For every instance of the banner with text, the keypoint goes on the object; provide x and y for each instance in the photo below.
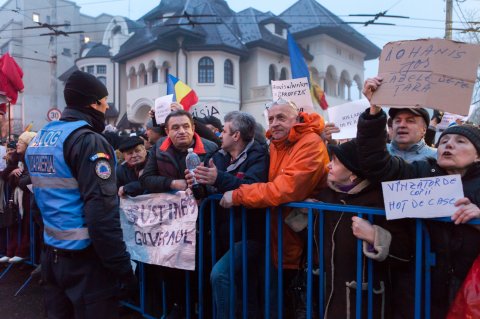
(295, 90)
(160, 229)
(345, 117)
(433, 73)
(425, 197)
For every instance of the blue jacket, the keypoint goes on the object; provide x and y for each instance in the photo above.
(417, 152)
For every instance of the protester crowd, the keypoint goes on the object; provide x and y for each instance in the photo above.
(297, 161)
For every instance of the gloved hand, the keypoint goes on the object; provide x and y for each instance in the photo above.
(128, 286)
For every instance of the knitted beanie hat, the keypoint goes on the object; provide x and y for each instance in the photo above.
(26, 137)
(469, 131)
(82, 89)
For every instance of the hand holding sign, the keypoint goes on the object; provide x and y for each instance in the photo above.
(466, 212)
(435, 72)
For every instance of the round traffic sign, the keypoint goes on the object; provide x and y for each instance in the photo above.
(54, 114)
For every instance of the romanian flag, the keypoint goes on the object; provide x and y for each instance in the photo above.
(300, 70)
(182, 93)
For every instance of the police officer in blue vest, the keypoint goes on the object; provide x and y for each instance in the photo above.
(85, 263)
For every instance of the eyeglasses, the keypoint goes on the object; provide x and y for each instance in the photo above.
(281, 101)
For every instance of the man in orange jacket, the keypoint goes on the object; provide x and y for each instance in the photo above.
(298, 168)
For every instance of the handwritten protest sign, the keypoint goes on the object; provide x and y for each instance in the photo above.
(422, 197)
(345, 117)
(295, 90)
(160, 228)
(449, 118)
(162, 107)
(433, 73)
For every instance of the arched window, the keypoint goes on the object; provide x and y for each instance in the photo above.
(283, 74)
(142, 76)
(154, 74)
(228, 72)
(132, 77)
(205, 70)
(271, 73)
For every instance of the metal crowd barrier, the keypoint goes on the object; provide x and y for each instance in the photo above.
(422, 274)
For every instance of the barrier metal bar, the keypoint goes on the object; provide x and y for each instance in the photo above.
(321, 261)
(164, 298)
(267, 262)
(244, 264)
(213, 213)
(280, 264)
(187, 297)
(232, 265)
(418, 268)
(200, 257)
(309, 262)
(358, 300)
(427, 271)
(370, 282)
(422, 243)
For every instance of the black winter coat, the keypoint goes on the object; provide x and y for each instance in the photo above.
(340, 247)
(166, 163)
(100, 195)
(127, 176)
(455, 246)
(251, 167)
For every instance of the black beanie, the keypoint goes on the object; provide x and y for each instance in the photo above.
(82, 89)
(347, 154)
(469, 131)
(129, 143)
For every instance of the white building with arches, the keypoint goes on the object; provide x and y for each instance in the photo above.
(227, 57)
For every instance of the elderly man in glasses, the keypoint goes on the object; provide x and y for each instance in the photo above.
(298, 168)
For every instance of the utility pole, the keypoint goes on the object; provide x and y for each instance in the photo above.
(448, 20)
(53, 56)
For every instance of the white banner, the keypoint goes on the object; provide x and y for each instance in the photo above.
(345, 117)
(160, 229)
(425, 197)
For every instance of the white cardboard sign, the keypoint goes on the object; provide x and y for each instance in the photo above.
(160, 229)
(295, 90)
(345, 117)
(162, 107)
(449, 118)
(425, 197)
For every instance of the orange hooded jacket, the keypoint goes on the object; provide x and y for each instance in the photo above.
(298, 168)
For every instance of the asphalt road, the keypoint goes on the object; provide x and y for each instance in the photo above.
(29, 302)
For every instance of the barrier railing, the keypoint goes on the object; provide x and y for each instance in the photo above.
(200, 307)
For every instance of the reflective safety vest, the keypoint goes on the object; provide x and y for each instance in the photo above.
(56, 190)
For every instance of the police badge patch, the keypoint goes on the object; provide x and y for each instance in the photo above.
(103, 169)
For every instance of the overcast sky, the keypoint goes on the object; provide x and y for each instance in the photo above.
(427, 17)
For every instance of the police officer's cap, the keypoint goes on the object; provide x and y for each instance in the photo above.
(82, 89)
